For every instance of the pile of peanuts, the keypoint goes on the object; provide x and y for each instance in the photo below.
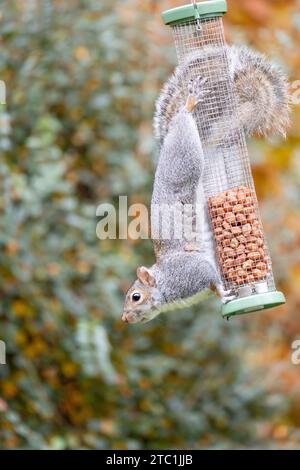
(239, 236)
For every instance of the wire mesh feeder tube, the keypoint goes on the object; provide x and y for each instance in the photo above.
(241, 249)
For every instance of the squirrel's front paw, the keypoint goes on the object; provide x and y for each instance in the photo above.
(227, 296)
(225, 300)
(196, 92)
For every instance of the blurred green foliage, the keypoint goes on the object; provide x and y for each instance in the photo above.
(82, 77)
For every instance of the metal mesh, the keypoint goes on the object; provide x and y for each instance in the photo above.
(240, 242)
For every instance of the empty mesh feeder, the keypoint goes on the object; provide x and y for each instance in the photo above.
(241, 249)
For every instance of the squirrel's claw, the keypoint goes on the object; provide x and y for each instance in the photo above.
(227, 296)
(194, 85)
(226, 299)
(196, 93)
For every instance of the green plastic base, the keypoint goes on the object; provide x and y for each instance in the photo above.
(253, 303)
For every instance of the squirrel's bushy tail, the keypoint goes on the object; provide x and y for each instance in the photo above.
(263, 94)
(262, 91)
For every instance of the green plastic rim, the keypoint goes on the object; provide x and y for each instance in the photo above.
(205, 10)
(253, 303)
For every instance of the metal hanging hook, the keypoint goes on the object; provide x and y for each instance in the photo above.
(197, 15)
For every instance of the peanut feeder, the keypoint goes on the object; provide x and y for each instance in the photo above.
(241, 249)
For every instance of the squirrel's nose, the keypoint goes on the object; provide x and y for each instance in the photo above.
(124, 318)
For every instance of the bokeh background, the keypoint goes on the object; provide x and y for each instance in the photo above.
(82, 77)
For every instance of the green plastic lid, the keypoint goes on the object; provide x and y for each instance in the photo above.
(204, 10)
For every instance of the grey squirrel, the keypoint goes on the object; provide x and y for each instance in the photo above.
(183, 271)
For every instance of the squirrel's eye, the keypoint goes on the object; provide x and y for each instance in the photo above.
(136, 296)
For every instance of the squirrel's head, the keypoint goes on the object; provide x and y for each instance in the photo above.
(143, 298)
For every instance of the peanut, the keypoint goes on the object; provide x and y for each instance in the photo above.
(230, 217)
(238, 208)
(240, 249)
(241, 259)
(241, 218)
(236, 230)
(234, 243)
(246, 229)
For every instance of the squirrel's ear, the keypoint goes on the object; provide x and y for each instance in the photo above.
(146, 277)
